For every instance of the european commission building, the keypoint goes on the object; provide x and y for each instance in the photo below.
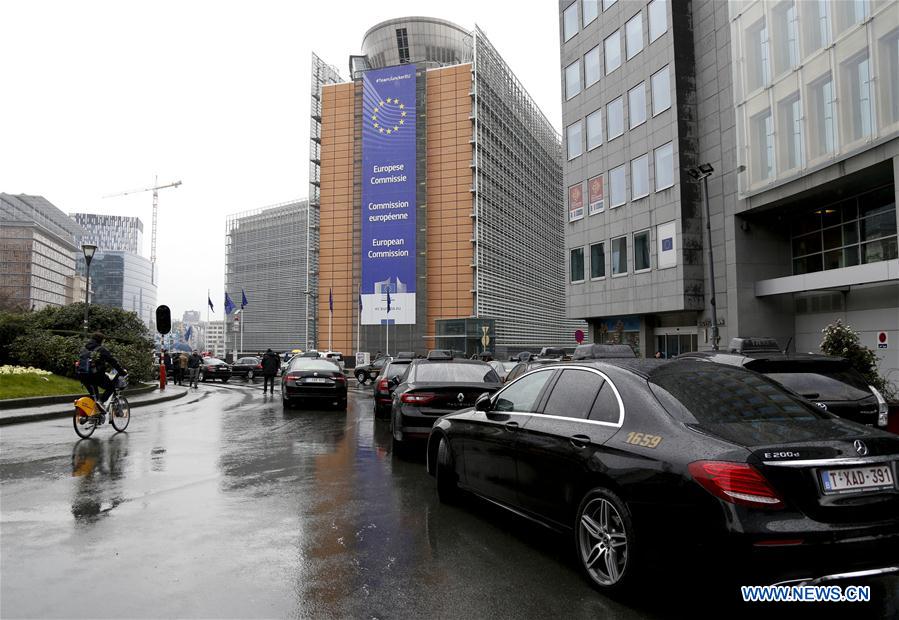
(441, 216)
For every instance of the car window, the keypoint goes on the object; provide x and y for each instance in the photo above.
(516, 372)
(522, 395)
(573, 394)
(451, 372)
(839, 385)
(606, 407)
(395, 369)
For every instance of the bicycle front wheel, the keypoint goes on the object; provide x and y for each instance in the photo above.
(85, 425)
(121, 414)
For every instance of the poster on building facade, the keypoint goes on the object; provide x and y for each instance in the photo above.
(595, 198)
(575, 202)
(388, 195)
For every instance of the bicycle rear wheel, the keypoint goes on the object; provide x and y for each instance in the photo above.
(85, 425)
(121, 413)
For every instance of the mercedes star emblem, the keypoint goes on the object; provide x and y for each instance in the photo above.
(860, 448)
(460, 397)
(822, 406)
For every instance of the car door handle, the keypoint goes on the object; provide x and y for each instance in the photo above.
(511, 426)
(579, 441)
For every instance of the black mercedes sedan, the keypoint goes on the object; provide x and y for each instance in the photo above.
(649, 460)
(313, 380)
(433, 387)
(213, 368)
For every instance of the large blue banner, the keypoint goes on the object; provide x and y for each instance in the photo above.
(388, 195)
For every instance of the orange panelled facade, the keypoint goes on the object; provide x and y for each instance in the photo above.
(450, 225)
(336, 243)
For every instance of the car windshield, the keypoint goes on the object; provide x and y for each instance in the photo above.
(824, 385)
(313, 363)
(450, 372)
(743, 406)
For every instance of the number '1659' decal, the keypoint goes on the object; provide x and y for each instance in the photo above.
(643, 440)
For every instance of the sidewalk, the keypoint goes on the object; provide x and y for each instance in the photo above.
(35, 413)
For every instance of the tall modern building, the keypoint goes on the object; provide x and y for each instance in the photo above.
(37, 254)
(788, 111)
(440, 192)
(120, 276)
(267, 261)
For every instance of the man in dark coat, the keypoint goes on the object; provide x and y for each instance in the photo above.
(193, 367)
(94, 362)
(270, 365)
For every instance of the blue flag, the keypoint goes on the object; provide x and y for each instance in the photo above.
(243, 302)
(188, 333)
(388, 301)
(330, 301)
(229, 305)
(209, 301)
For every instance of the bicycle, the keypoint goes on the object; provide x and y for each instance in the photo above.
(89, 413)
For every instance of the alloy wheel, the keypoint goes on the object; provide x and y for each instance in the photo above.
(602, 542)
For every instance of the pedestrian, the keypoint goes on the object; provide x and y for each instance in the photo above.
(94, 362)
(270, 365)
(193, 367)
(167, 361)
(378, 355)
(659, 355)
(180, 363)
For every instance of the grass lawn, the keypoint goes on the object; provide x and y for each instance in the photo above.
(20, 386)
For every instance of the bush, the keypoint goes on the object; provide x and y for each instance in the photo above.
(843, 341)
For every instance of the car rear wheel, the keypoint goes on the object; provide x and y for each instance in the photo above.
(604, 540)
(447, 487)
(202, 377)
(361, 377)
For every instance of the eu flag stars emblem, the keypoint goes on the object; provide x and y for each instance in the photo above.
(388, 116)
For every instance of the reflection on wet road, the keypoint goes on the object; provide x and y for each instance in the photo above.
(223, 504)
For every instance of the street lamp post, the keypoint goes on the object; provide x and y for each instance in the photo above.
(88, 250)
(703, 172)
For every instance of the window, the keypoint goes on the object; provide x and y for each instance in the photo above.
(636, 105)
(619, 256)
(761, 146)
(640, 177)
(597, 261)
(594, 130)
(613, 51)
(607, 3)
(573, 394)
(785, 36)
(595, 185)
(605, 407)
(574, 141)
(789, 112)
(664, 164)
(822, 121)
(849, 13)
(592, 67)
(658, 19)
(617, 187)
(757, 52)
(633, 35)
(572, 79)
(522, 395)
(816, 25)
(856, 97)
(615, 118)
(402, 44)
(641, 251)
(577, 265)
(569, 21)
(589, 10)
(889, 77)
(661, 91)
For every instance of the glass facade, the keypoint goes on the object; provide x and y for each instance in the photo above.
(814, 82)
(112, 232)
(122, 280)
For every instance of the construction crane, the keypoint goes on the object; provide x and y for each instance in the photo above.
(155, 189)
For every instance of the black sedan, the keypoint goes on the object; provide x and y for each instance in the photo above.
(645, 460)
(247, 367)
(313, 380)
(431, 388)
(213, 368)
(387, 382)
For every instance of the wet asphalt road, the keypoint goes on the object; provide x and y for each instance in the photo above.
(222, 504)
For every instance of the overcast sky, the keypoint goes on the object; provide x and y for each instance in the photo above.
(101, 96)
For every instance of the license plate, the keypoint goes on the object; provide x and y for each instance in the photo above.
(316, 380)
(857, 479)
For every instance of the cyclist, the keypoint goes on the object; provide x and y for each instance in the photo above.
(94, 362)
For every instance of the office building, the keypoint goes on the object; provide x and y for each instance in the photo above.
(114, 233)
(789, 108)
(37, 254)
(440, 188)
(213, 339)
(266, 261)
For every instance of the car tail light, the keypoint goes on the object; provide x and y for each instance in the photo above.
(779, 542)
(258, 366)
(418, 398)
(883, 410)
(209, 368)
(340, 378)
(382, 385)
(737, 483)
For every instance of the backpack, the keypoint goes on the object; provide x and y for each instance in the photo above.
(88, 362)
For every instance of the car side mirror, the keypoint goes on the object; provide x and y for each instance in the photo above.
(483, 402)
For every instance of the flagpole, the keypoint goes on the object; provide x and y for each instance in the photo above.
(359, 326)
(206, 331)
(242, 317)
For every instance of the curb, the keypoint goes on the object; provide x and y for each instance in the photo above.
(37, 401)
(36, 417)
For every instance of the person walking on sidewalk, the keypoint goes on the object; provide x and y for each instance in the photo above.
(180, 363)
(270, 365)
(193, 367)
